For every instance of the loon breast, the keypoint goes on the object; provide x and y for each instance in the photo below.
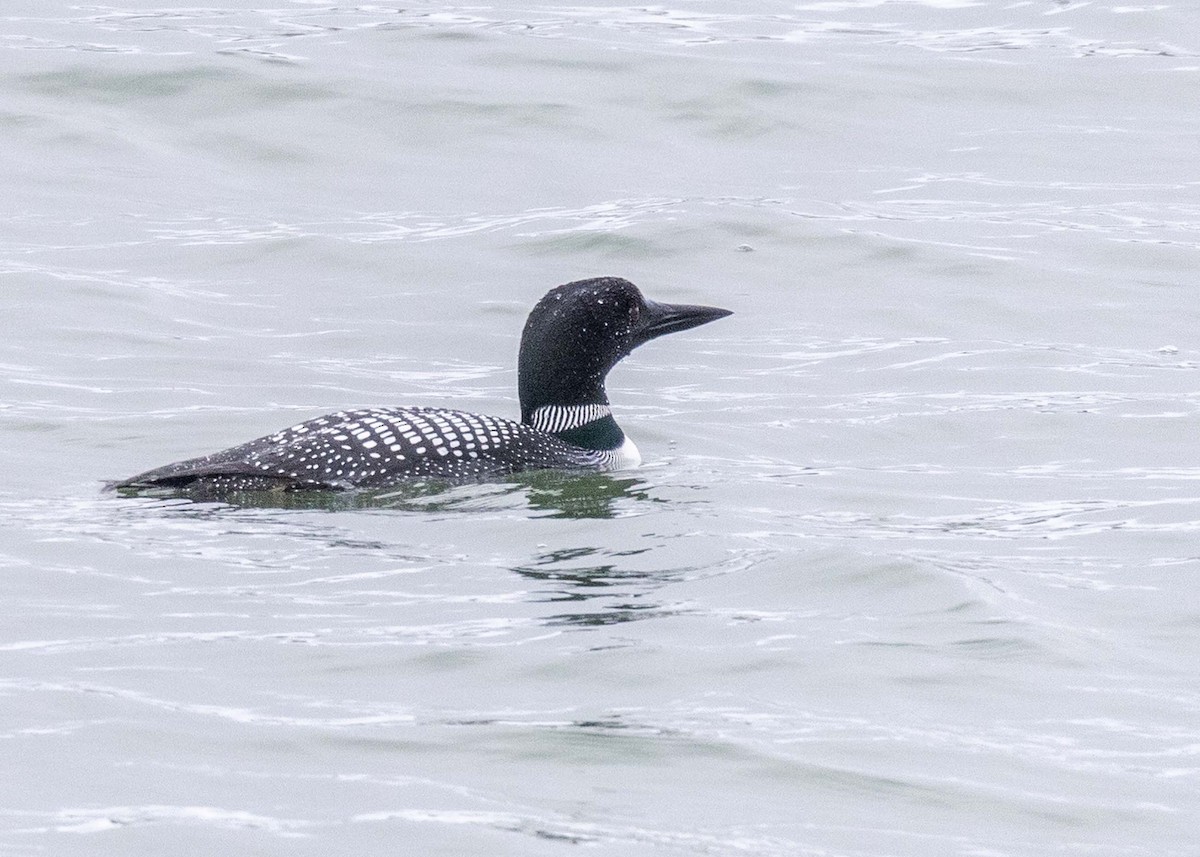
(378, 447)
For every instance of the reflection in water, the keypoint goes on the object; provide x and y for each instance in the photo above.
(560, 495)
(591, 495)
(616, 614)
(604, 581)
(548, 569)
(620, 590)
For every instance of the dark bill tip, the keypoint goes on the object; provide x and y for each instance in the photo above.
(659, 319)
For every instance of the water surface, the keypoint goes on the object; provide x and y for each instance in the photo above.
(908, 570)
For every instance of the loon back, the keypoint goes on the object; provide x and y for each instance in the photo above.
(368, 448)
(573, 337)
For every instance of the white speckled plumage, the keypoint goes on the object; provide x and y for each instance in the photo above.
(367, 448)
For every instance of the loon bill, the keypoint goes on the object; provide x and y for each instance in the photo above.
(574, 336)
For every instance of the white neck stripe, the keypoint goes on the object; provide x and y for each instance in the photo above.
(553, 419)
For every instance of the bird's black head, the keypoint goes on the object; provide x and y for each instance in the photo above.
(579, 331)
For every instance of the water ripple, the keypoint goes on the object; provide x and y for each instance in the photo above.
(292, 35)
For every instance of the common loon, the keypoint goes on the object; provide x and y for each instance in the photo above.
(573, 337)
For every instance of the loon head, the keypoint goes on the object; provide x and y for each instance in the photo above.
(573, 337)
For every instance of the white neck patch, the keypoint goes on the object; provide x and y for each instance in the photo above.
(626, 457)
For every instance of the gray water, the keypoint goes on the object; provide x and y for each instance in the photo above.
(910, 568)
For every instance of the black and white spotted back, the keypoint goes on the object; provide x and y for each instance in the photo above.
(377, 447)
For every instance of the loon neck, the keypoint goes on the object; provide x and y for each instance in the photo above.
(588, 426)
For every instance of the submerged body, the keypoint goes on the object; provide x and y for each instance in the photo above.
(574, 335)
